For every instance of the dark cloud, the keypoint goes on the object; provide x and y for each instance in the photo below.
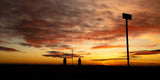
(8, 49)
(25, 44)
(38, 22)
(109, 59)
(43, 22)
(53, 52)
(147, 52)
(52, 56)
(61, 54)
(137, 54)
(55, 23)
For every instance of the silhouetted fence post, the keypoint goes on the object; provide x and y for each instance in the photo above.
(64, 61)
(127, 17)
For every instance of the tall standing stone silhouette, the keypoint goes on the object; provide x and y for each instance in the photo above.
(64, 61)
(79, 62)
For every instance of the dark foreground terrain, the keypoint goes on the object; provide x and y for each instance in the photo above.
(58, 72)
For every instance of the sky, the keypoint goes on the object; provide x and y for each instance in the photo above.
(46, 31)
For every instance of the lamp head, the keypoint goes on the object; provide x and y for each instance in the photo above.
(127, 16)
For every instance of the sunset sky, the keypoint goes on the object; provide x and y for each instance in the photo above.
(45, 31)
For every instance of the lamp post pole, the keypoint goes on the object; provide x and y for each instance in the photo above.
(127, 42)
(127, 17)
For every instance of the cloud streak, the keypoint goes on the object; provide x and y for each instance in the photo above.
(108, 46)
(109, 59)
(8, 49)
(4, 42)
(59, 54)
(25, 44)
(147, 52)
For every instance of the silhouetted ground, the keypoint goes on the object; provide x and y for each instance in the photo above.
(58, 72)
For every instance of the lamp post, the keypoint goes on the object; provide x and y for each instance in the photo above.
(127, 17)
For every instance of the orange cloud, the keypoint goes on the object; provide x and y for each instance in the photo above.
(114, 46)
(84, 53)
(42, 49)
(64, 49)
(4, 42)
(154, 45)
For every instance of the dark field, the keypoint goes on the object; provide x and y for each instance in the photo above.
(59, 72)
